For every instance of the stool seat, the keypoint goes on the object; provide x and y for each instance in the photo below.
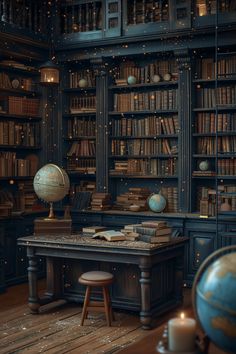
(96, 276)
(97, 279)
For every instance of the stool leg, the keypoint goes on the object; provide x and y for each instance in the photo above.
(86, 302)
(110, 306)
(106, 305)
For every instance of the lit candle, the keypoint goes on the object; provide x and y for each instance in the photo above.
(181, 334)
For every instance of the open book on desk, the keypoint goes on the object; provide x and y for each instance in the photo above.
(110, 235)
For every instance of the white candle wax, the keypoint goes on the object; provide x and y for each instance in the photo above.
(181, 334)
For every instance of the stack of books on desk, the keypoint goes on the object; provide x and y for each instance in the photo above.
(91, 230)
(154, 231)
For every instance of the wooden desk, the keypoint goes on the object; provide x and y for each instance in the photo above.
(157, 269)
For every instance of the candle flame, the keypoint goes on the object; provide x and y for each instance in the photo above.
(182, 315)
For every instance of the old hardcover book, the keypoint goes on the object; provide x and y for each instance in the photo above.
(93, 229)
(110, 235)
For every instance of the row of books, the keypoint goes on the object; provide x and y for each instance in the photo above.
(147, 126)
(207, 145)
(10, 166)
(78, 127)
(147, 11)
(171, 196)
(207, 122)
(20, 134)
(25, 197)
(146, 167)
(76, 76)
(144, 147)
(145, 74)
(23, 106)
(227, 167)
(82, 148)
(146, 101)
(204, 8)
(87, 166)
(79, 104)
(86, 17)
(206, 68)
(209, 97)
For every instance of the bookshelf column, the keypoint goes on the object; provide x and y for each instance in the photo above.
(185, 149)
(101, 126)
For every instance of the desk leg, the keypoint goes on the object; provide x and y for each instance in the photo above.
(145, 281)
(33, 300)
(54, 279)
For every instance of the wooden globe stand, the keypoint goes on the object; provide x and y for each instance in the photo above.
(51, 215)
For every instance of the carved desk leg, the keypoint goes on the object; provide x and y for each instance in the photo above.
(145, 281)
(32, 277)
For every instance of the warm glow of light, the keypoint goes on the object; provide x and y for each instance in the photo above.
(182, 316)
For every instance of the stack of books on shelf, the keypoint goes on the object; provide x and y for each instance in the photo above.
(101, 201)
(154, 231)
(23, 106)
(135, 196)
(130, 233)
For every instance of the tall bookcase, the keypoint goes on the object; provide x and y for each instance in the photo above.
(20, 133)
(79, 132)
(144, 127)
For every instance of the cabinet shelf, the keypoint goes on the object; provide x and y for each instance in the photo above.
(165, 156)
(81, 157)
(19, 147)
(17, 178)
(80, 90)
(161, 136)
(81, 175)
(20, 92)
(143, 86)
(221, 80)
(80, 114)
(27, 71)
(132, 113)
(80, 138)
(141, 177)
(214, 134)
(19, 116)
(220, 108)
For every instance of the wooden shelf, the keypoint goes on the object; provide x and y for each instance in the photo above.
(142, 156)
(167, 111)
(142, 177)
(143, 86)
(161, 136)
(79, 90)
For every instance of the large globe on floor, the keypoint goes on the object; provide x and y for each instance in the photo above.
(156, 203)
(51, 183)
(214, 300)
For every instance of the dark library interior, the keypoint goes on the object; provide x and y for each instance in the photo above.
(118, 156)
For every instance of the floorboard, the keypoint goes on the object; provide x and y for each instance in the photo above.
(57, 330)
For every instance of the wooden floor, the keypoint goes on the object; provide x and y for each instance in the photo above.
(58, 329)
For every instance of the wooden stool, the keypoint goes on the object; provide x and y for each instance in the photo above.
(97, 279)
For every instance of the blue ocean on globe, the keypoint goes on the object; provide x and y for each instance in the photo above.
(216, 302)
(157, 203)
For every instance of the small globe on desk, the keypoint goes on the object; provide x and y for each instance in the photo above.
(156, 203)
(213, 295)
(51, 184)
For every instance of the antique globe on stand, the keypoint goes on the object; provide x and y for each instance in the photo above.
(214, 298)
(156, 203)
(51, 184)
